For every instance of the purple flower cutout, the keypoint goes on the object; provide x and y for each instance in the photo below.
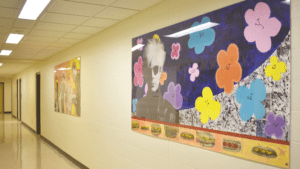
(275, 126)
(173, 95)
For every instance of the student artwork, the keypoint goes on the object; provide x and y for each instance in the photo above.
(219, 81)
(67, 87)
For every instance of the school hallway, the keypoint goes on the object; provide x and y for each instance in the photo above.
(21, 148)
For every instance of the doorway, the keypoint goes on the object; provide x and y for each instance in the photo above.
(38, 103)
(1, 98)
(20, 99)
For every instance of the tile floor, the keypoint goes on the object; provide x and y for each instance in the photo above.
(20, 148)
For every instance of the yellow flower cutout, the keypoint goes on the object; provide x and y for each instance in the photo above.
(207, 106)
(156, 37)
(275, 69)
(163, 77)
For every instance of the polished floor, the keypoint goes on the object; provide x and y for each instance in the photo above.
(20, 148)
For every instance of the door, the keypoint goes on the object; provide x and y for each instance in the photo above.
(1, 98)
(20, 99)
(38, 103)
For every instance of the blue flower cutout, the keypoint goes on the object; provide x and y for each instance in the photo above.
(199, 40)
(134, 102)
(251, 100)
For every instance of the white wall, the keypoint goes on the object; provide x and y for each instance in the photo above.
(7, 94)
(101, 137)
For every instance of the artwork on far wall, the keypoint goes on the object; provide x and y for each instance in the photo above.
(219, 81)
(67, 87)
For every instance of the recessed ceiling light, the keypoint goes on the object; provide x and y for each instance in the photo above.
(14, 38)
(33, 8)
(5, 52)
(1, 64)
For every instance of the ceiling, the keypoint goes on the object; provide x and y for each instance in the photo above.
(62, 24)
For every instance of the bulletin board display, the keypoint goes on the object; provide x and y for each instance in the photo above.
(219, 81)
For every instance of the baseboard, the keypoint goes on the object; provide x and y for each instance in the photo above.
(28, 127)
(73, 160)
(7, 112)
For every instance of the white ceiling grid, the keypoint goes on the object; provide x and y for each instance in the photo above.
(62, 24)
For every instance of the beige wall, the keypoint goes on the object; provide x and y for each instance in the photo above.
(101, 137)
(7, 94)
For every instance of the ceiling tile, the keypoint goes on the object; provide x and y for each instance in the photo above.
(21, 56)
(11, 3)
(116, 13)
(8, 12)
(75, 8)
(99, 2)
(54, 27)
(23, 31)
(3, 38)
(9, 46)
(6, 22)
(22, 23)
(77, 36)
(4, 29)
(22, 46)
(64, 19)
(62, 45)
(36, 43)
(66, 40)
(40, 39)
(47, 33)
(135, 4)
(97, 22)
(87, 29)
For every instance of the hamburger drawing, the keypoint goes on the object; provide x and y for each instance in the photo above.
(205, 139)
(135, 125)
(155, 129)
(170, 131)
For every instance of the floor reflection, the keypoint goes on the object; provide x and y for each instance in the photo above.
(20, 148)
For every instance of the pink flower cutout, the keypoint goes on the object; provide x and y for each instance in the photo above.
(261, 27)
(175, 51)
(138, 71)
(140, 41)
(194, 71)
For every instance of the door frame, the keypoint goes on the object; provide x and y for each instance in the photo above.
(17, 99)
(38, 103)
(3, 95)
(20, 97)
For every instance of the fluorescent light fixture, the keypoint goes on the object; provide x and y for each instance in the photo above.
(14, 38)
(5, 52)
(288, 2)
(192, 30)
(137, 47)
(64, 68)
(33, 8)
(1, 64)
